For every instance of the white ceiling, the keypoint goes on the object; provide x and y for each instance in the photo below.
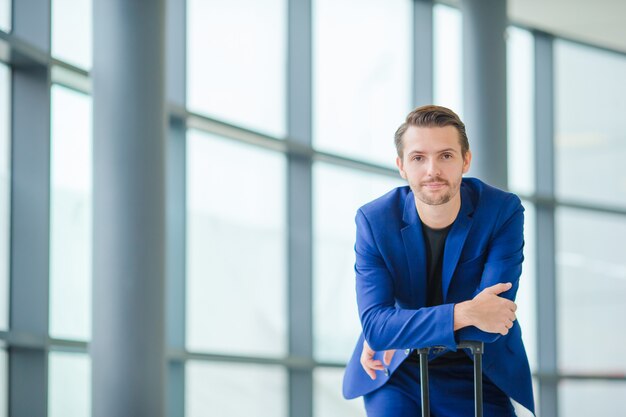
(599, 22)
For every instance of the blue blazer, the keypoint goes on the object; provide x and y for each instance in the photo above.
(483, 248)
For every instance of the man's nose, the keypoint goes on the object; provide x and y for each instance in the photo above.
(433, 168)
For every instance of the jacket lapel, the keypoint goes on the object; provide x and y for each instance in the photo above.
(456, 239)
(415, 248)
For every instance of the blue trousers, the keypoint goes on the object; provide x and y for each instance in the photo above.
(451, 394)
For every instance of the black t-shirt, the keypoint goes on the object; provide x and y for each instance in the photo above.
(435, 240)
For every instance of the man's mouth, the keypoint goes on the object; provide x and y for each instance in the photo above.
(434, 185)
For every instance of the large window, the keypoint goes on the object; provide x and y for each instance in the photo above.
(236, 248)
(591, 273)
(234, 390)
(362, 76)
(590, 136)
(448, 58)
(520, 88)
(70, 215)
(5, 15)
(230, 267)
(236, 69)
(327, 399)
(5, 193)
(520, 107)
(71, 31)
(69, 381)
(588, 398)
(590, 146)
(338, 193)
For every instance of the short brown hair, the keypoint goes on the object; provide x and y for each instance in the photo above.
(432, 116)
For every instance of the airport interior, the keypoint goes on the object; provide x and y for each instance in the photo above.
(179, 181)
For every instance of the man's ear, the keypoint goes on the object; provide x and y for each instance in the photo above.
(467, 160)
(400, 167)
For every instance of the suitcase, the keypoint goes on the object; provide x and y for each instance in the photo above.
(477, 349)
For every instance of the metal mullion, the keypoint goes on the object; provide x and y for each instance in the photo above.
(227, 130)
(545, 226)
(582, 377)
(578, 205)
(15, 51)
(71, 78)
(129, 202)
(484, 87)
(299, 205)
(30, 209)
(31, 22)
(176, 201)
(176, 262)
(292, 145)
(423, 57)
(290, 362)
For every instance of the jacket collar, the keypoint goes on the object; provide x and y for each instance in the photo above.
(416, 249)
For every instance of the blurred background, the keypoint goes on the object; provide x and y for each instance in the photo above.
(260, 287)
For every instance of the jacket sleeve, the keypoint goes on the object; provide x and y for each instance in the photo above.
(385, 325)
(503, 263)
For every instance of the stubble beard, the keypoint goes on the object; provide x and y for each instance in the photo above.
(425, 198)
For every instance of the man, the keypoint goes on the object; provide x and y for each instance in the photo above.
(438, 262)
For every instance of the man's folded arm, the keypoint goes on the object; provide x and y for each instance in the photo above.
(385, 325)
(503, 263)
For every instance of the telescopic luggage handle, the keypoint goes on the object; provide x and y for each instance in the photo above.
(477, 349)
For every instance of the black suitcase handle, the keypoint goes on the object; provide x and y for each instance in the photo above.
(477, 349)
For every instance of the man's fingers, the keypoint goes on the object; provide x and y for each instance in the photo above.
(498, 288)
(388, 355)
(369, 363)
(377, 365)
(511, 316)
(510, 304)
(370, 367)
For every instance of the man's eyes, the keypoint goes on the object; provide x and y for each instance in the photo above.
(443, 156)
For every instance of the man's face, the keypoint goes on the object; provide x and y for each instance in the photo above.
(432, 163)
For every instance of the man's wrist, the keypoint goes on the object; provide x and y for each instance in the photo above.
(462, 315)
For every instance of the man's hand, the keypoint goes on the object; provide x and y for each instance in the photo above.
(487, 311)
(369, 364)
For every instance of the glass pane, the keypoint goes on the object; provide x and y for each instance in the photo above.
(70, 215)
(590, 138)
(69, 389)
(5, 15)
(328, 400)
(5, 192)
(521, 123)
(234, 390)
(362, 60)
(71, 32)
(236, 67)
(591, 283)
(338, 193)
(591, 398)
(448, 58)
(4, 383)
(525, 300)
(236, 247)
